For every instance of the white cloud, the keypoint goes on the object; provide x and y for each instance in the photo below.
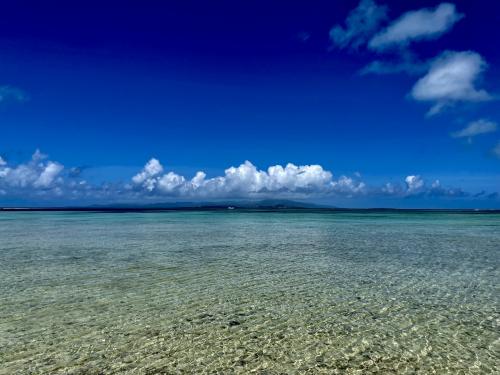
(348, 186)
(416, 186)
(48, 175)
(35, 174)
(437, 190)
(361, 24)
(451, 78)
(477, 127)
(38, 155)
(248, 181)
(390, 188)
(146, 176)
(170, 182)
(417, 25)
(40, 178)
(414, 183)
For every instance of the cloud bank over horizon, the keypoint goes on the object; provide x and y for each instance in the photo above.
(246, 181)
(40, 179)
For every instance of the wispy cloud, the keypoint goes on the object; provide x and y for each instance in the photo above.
(12, 93)
(363, 27)
(452, 78)
(449, 79)
(474, 128)
(405, 62)
(496, 150)
(303, 36)
(416, 25)
(360, 25)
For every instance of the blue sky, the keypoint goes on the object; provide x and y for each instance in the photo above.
(371, 102)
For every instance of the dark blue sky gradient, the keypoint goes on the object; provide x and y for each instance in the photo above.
(209, 84)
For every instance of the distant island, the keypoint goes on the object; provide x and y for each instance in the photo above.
(269, 205)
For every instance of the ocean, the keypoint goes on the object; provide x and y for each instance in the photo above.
(237, 292)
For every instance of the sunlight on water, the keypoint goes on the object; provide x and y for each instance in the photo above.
(230, 292)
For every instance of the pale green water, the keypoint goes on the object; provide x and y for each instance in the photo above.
(265, 293)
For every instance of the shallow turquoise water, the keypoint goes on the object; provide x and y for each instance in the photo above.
(249, 292)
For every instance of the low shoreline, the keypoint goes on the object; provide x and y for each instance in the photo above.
(249, 209)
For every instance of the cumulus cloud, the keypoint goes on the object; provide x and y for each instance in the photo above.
(416, 25)
(146, 177)
(414, 183)
(477, 127)
(12, 93)
(48, 175)
(40, 178)
(416, 186)
(391, 189)
(361, 24)
(437, 190)
(246, 181)
(349, 186)
(36, 174)
(75, 172)
(451, 78)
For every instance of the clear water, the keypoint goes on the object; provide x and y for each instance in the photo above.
(265, 293)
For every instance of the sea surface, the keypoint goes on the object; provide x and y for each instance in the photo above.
(249, 292)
